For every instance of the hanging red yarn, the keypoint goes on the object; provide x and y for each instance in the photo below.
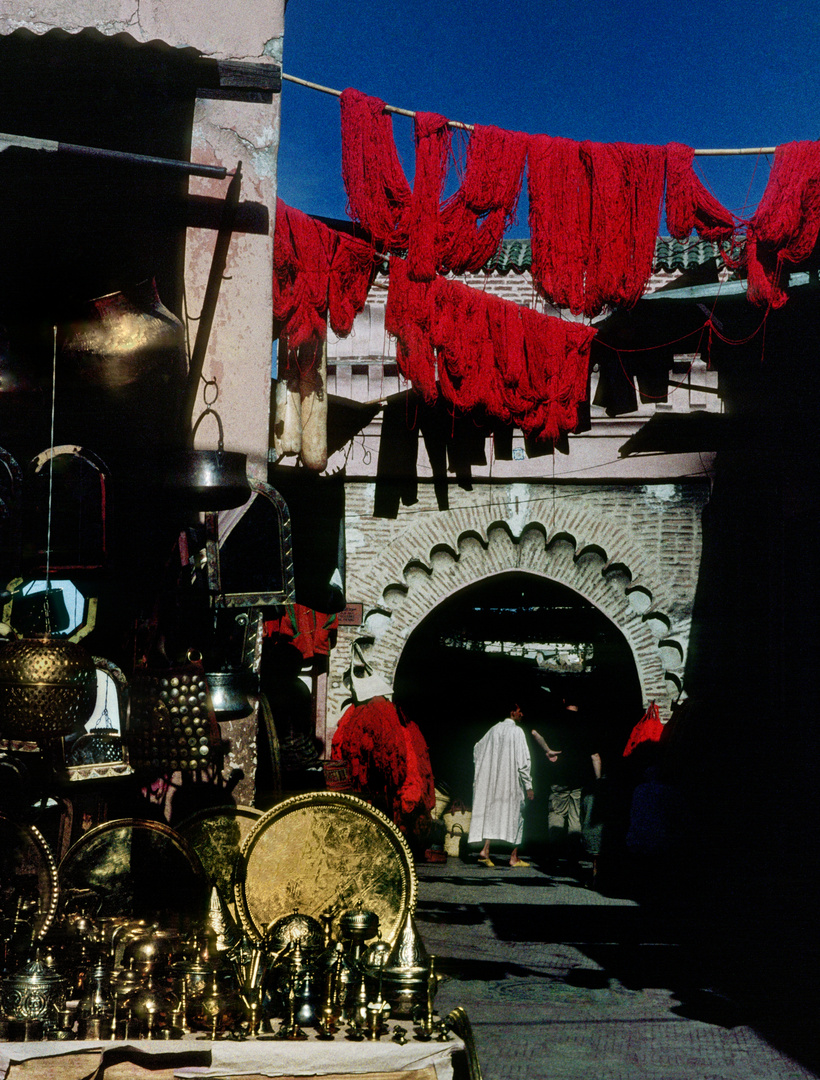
(785, 225)
(514, 362)
(432, 155)
(559, 195)
(648, 729)
(490, 189)
(626, 184)
(557, 360)
(319, 274)
(688, 204)
(387, 756)
(461, 337)
(302, 249)
(594, 211)
(407, 318)
(378, 194)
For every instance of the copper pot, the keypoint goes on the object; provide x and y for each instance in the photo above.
(122, 368)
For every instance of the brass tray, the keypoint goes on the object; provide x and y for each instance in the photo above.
(217, 835)
(142, 869)
(28, 876)
(324, 851)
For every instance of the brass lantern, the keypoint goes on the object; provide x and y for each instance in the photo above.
(48, 688)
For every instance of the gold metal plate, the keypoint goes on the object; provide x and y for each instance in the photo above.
(217, 835)
(142, 869)
(325, 851)
(28, 875)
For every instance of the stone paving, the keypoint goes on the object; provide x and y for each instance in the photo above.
(562, 982)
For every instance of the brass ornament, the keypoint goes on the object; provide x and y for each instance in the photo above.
(138, 868)
(48, 688)
(29, 883)
(217, 835)
(324, 851)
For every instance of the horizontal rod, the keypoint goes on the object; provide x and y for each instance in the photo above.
(469, 127)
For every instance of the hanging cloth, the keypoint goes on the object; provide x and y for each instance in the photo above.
(785, 226)
(688, 204)
(378, 194)
(490, 190)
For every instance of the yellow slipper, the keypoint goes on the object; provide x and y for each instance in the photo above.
(522, 863)
(485, 860)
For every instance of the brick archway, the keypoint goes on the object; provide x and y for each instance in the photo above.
(433, 560)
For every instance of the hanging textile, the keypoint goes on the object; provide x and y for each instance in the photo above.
(378, 194)
(490, 190)
(319, 275)
(515, 363)
(648, 729)
(785, 226)
(407, 319)
(689, 206)
(594, 213)
(432, 154)
(388, 759)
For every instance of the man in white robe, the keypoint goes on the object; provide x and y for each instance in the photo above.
(502, 783)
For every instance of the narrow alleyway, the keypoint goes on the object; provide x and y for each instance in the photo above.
(562, 982)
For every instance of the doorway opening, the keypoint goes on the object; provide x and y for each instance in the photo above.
(512, 634)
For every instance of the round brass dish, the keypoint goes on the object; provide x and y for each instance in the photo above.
(142, 869)
(324, 851)
(28, 876)
(217, 835)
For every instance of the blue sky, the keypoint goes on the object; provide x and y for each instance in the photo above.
(706, 73)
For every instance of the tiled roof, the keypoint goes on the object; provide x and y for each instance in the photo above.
(515, 256)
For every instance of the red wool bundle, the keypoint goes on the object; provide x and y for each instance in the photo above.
(491, 186)
(785, 225)
(626, 185)
(319, 274)
(388, 759)
(432, 155)
(514, 362)
(594, 211)
(559, 195)
(688, 204)
(378, 194)
(407, 318)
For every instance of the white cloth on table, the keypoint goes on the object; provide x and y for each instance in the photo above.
(502, 779)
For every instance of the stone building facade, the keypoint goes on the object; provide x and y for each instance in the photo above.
(622, 532)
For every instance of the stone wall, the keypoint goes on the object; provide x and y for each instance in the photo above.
(631, 550)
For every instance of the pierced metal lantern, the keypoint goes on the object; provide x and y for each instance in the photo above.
(48, 688)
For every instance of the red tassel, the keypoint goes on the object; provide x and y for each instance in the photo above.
(594, 210)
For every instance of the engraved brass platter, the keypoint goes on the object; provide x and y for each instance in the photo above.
(217, 835)
(28, 876)
(142, 869)
(324, 851)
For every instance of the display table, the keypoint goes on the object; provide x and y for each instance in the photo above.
(191, 1058)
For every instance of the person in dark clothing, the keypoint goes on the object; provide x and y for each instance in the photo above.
(571, 751)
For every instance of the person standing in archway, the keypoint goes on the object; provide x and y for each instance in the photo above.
(575, 764)
(502, 783)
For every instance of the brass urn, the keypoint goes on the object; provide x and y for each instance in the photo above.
(48, 688)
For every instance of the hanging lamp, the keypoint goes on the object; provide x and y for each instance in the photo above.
(48, 684)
